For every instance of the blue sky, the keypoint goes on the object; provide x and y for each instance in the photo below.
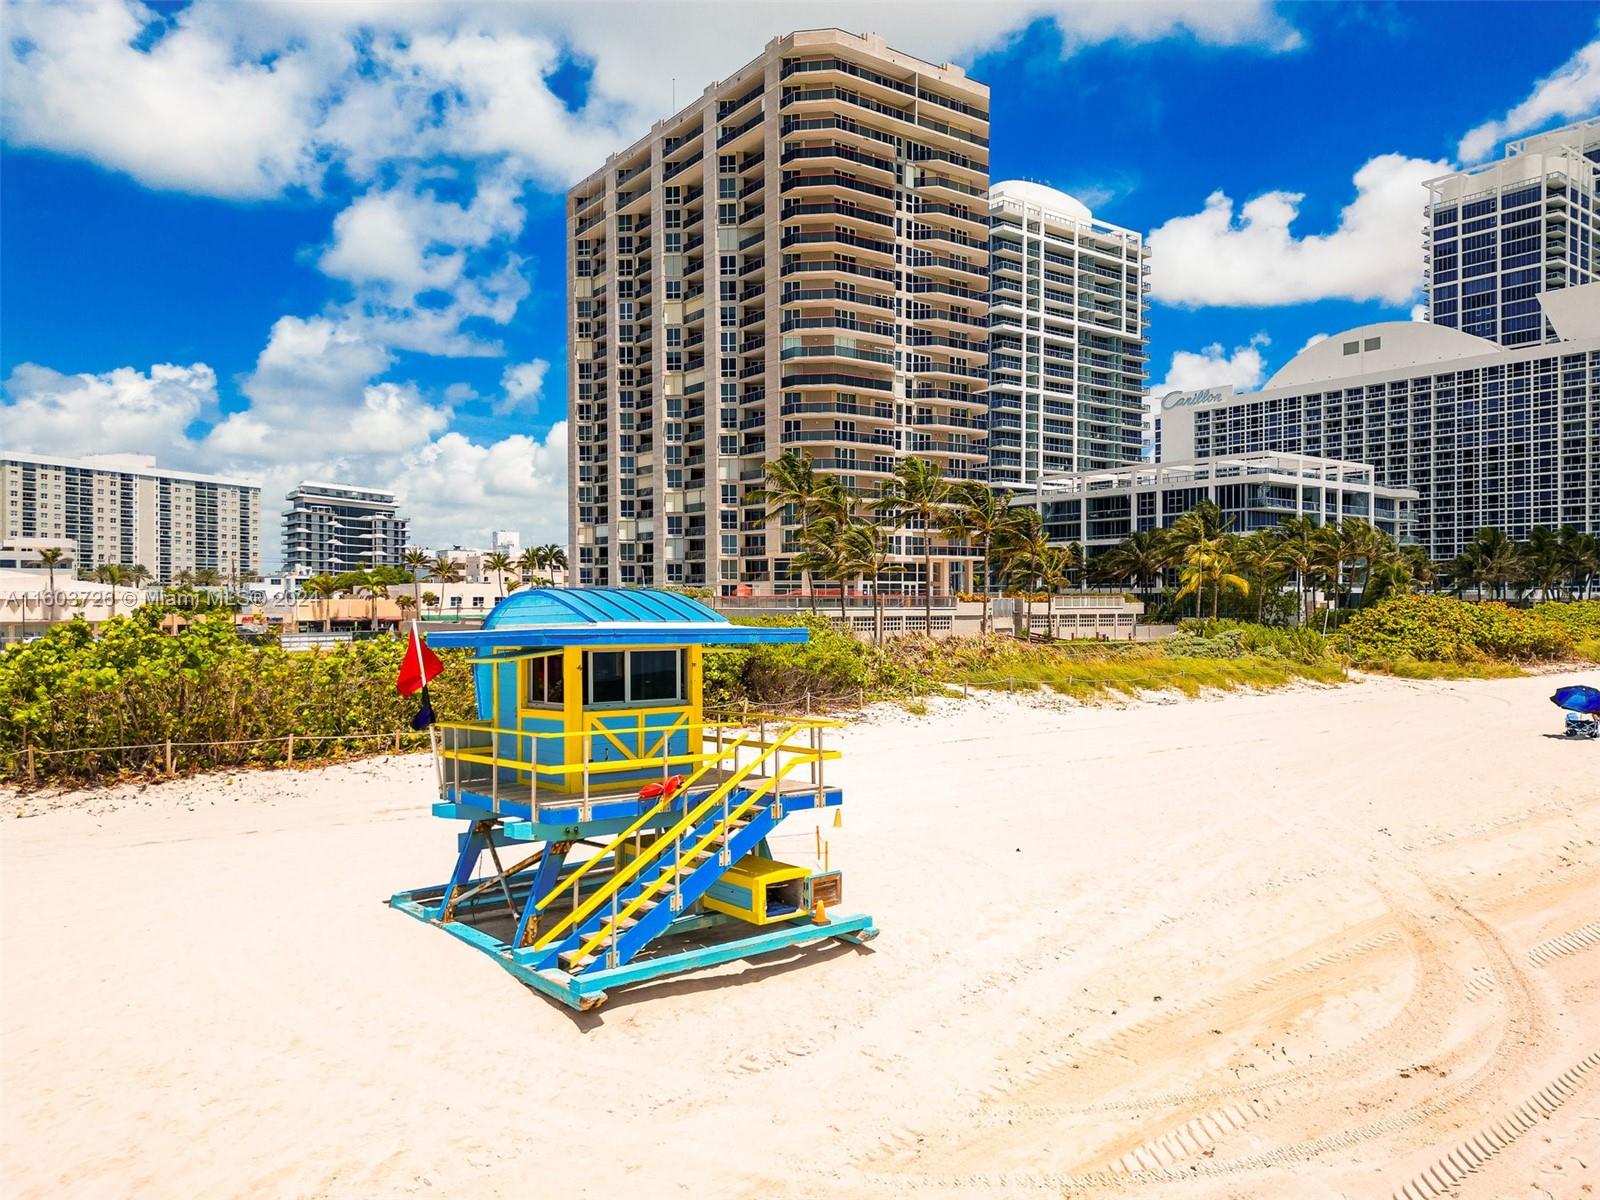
(280, 240)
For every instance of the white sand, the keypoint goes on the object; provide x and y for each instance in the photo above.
(1257, 946)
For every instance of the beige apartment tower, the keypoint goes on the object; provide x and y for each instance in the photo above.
(796, 260)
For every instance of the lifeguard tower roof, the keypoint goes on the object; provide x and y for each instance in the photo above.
(551, 617)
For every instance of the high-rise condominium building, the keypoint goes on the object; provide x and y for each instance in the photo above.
(124, 510)
(796, 260)
(330, 528)
(1068, 342)
(1501, 234)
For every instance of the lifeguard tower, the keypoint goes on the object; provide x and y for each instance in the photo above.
(627, 830)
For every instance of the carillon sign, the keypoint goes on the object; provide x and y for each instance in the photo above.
(1212, 395)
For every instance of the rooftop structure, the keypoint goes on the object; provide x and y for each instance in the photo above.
(592, 731)
(1068, 336)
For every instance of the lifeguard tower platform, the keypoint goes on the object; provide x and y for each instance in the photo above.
(627, 830)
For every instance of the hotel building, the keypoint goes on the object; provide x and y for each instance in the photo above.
(123, 509)
(1486, 435)
(1500, 235)
(1068, 343)
(331, 528)
(799, 259)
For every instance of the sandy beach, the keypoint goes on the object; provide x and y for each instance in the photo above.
(1336, 942)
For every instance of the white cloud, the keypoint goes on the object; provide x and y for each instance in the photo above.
(1213, 366)
(419, 267)
(1419, 312)
(1572, 91)
(523, 385)
(120, 411)
(1312, 341)
(1254, 259)
(246, 100)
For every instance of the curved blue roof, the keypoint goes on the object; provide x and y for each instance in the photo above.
(538, 617)
(594, 606)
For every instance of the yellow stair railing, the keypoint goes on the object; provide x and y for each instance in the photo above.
(608, 932)
(616, 843)
(655, 849)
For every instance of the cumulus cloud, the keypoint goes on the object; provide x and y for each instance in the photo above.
(1253, 258)
(120, 411)
(1213, 366)
(523, 387)
(1572, 91)
(422, 268)
(251, 100)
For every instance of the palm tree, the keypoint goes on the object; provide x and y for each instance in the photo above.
(529, 563)
(1056, 566)
(1199, 530)
(1544, 558)
(117, 576)
(321, 589)
(49, 557)
(1022, 546)
(918, 495)
(1140, 557)
(1208, 563)
(979, 514)
(790, 492)
(376, 590)
(821, 557)
(499, 563)
(554, 559)
(1492, 560)
(430, 600)
(446, 572)
(865, 549)
(1261, 559)
(207, 577)
(1581, 551)
(416, 561)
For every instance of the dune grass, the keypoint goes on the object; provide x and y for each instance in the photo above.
(1129, 674)
(1411, 668)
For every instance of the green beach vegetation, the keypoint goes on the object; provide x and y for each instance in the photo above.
(135, 685)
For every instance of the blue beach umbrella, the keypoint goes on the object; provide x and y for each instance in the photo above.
(1578, 698)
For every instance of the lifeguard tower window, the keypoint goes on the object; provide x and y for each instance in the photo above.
(545, 686)
(633, 676)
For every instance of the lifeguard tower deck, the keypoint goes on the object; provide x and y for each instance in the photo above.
(627, 831)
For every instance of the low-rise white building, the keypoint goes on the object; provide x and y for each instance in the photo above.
(1098, 509)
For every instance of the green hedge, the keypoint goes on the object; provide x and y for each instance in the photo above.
(135, 685)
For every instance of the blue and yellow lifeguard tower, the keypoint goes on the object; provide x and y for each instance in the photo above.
(627, 829)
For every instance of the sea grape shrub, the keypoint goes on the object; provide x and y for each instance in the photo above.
(1443, 629)
(1225, 643)
(136, 685)
(1580, 618)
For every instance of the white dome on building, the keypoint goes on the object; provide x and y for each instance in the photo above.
(1381, 347)
(1037, 195)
